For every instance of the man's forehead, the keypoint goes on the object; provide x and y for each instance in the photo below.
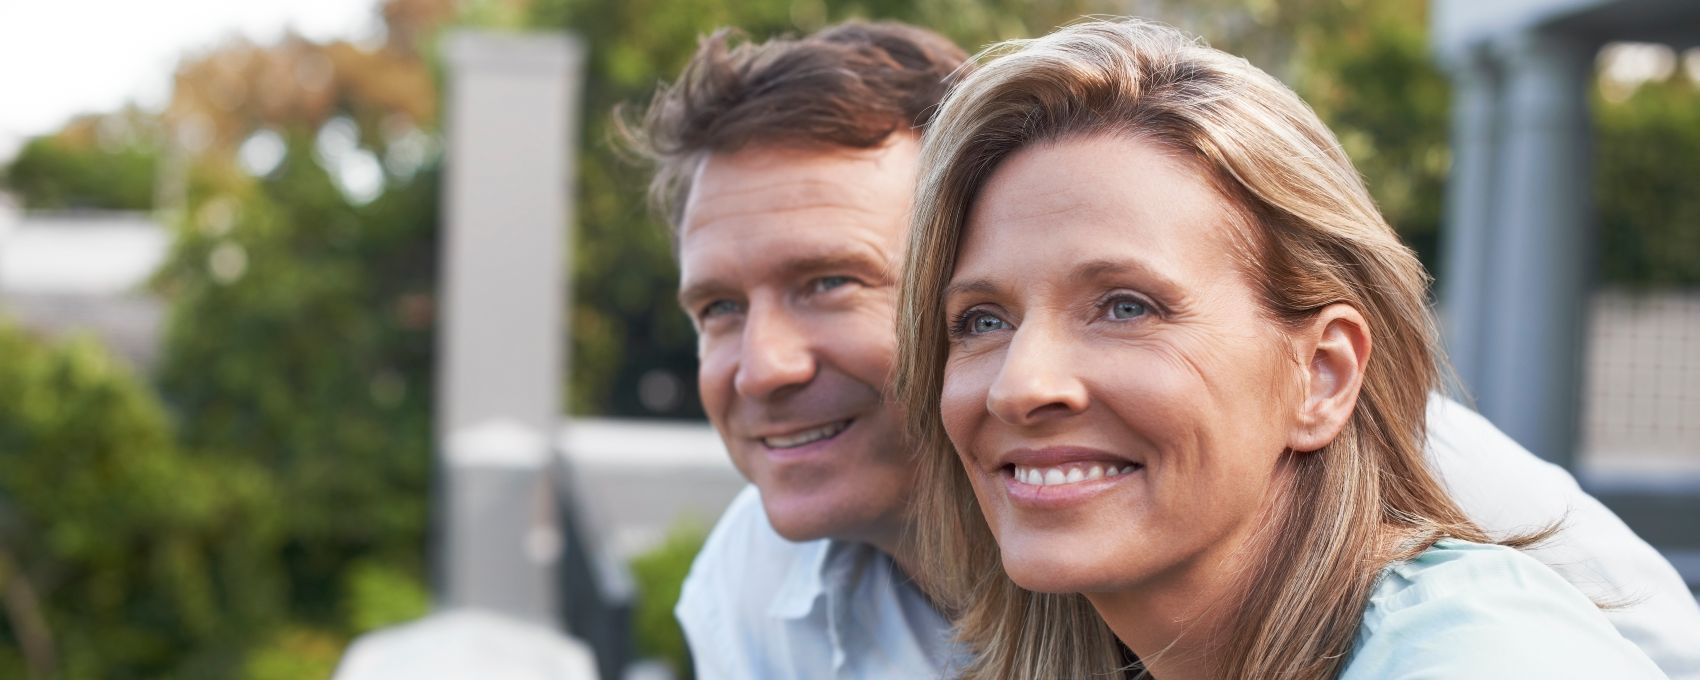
(759, 184)
(749, 200)
(753, 251)
(781, 182)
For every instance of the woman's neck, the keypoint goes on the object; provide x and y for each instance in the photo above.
(1174, 620)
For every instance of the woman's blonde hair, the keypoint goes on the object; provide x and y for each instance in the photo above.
(1315, 239)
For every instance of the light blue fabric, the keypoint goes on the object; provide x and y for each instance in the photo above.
(1465, 610)
(758, 607)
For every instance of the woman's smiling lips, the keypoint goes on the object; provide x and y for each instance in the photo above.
(1060, 475)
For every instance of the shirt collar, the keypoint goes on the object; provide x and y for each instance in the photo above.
(806, 580)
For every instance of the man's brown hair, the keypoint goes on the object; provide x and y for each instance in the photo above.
(848, 85)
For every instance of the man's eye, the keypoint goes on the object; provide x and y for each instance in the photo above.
(826, 283)
(1122, 309)
(719, 308)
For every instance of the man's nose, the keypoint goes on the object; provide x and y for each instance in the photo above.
(1038, 381)
(777, 353)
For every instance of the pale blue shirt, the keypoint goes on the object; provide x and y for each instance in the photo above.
(756, 606)
(1463, 611)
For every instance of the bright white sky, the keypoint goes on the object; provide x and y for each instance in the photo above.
(59, 58)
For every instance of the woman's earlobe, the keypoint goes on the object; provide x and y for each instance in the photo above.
(1336, 353)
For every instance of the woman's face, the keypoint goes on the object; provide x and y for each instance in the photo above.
(1118, 400)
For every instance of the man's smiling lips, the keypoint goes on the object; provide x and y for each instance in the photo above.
(788, 440)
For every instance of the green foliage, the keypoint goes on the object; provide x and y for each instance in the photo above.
(1369, 75)
(299, 340)
(294, 654)
(1647, 155)
(99, 168)
(139, 556)
(659, 574)
(380, 594)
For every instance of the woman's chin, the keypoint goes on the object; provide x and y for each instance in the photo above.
(1049, 574)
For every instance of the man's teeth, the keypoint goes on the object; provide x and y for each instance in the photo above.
(797, 439)
(1069, 474)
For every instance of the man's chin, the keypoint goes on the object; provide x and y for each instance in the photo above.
(809, 518)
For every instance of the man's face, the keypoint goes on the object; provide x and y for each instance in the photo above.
(788, 268)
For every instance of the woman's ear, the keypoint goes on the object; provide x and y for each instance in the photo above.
(1335, 350)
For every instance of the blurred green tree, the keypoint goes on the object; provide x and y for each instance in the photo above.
(1647, 156)
(101, 161)
(1365, 68)
(120, 555)
(299, 339)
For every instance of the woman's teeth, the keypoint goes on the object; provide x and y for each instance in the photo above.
(796, 439)
(1071, 473)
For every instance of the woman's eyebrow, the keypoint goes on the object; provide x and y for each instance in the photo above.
(984, 287)
(1092, 271)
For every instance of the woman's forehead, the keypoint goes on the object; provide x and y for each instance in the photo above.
(1103, 197)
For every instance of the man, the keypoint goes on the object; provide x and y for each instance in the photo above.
(786, 170)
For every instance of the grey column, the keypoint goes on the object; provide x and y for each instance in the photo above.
(1537, 269)
(511, 116)
(1470, 203)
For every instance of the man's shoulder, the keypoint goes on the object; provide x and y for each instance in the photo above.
(1474, 459)
(1508, 491)
(744, 564)
(744, 574)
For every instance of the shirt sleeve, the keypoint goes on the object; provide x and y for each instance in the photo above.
(1507, 491)
(1491, 613)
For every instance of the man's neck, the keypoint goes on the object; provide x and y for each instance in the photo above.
(896, 542)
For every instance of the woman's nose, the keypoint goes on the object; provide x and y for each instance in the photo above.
(1038, 381)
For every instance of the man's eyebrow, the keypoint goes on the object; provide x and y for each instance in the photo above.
(690, 295)
(825, 262)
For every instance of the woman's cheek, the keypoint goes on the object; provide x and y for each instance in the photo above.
(962, 401)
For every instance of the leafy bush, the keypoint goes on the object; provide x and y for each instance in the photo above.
(139, 556)
(1647, 151)
(104, 162)
(299, 340)
(659, 574)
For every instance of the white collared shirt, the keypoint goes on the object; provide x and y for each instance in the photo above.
(759, 607)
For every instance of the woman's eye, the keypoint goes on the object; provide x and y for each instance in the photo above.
(986, 323)
(1123, 308)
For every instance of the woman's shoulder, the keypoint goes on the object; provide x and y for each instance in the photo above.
(1465, 610)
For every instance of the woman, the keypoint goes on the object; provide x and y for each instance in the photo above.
(1168, 368)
